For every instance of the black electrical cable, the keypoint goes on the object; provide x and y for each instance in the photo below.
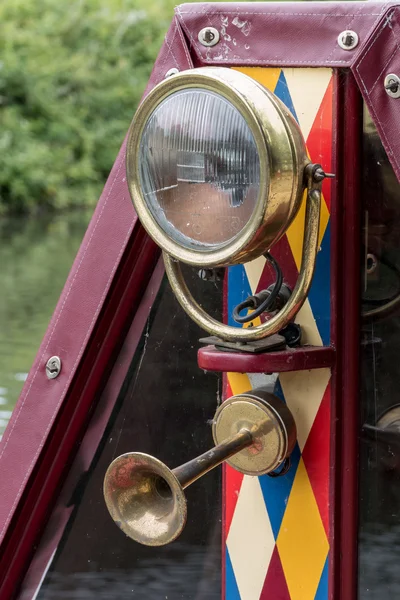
(252, 301)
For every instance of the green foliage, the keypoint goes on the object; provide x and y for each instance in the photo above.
(71, 76)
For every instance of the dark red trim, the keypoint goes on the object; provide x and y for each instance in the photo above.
(296, 359)
(130, 283)
(346, 253)
(336, 316)
(224, 533)
(277, 34)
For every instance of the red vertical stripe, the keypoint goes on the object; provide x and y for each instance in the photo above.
(316, 456)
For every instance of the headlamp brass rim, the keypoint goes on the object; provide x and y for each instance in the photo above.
(187, 80)
(281, 159)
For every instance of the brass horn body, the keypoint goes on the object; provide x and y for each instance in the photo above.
(254, 432)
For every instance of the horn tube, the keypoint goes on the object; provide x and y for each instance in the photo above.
(254, 432)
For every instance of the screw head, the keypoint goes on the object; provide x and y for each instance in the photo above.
(372, 263)
(53, 367)
(173, 71)
(348, 39)
(209, 36)
(392, 85)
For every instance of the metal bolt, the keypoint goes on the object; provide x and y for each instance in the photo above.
(392, 85)
(209, 36)
(319, 174)
(348, 39)
(53, 367)
(173, 71)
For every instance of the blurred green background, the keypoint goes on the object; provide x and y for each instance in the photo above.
(71, 75)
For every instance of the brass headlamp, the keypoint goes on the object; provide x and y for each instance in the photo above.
(216, 168)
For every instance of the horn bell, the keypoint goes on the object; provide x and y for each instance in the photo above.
(145, 499)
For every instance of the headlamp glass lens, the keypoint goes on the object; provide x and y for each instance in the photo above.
(199, 168)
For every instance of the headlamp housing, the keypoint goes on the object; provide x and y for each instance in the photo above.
(215, 167)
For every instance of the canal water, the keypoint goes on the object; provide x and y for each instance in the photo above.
(36, 255)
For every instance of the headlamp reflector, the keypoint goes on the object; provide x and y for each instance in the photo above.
(199, 168)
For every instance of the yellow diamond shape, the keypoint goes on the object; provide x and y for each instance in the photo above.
(268, 77)
(295, 233)
(239, 382)
(302, 542)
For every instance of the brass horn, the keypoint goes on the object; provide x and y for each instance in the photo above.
(254, 432)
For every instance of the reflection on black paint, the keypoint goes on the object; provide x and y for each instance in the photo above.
(379, 539)
(164, 409)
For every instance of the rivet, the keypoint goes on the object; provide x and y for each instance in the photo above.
(173, 71)
(53, 367)
(209, 36)
(348, 39)
(372, 263)
(392, 85)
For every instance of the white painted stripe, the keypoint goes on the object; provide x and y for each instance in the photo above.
(307, 104)
(303, 391)
(250, 540)
(254, 271)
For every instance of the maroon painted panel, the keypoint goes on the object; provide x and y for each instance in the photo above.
(279, 34)
(68, 333)
(381, 57)
(296, 359)
(173, 54)
(346, 337)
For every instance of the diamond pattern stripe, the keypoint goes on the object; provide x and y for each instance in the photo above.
(284, 94)
(321, 289)
(233, 483)
(275, 587)
(282, 253)
(303, 391)
(239, 290)
(230, 580)
(322, 591)
(276, 529)
(250, 540)
(239, 383)
(295, 231)
(309, 332)
(267, 77)
(316, 456)
(302, 542)
(319, 140)
(276, 492)
(254, 270)
(307, 105)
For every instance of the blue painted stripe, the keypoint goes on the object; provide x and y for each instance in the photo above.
(231, 588)
(276, 492)
(282, 91)
(322, 591)
(238, 290)
(320, 292)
